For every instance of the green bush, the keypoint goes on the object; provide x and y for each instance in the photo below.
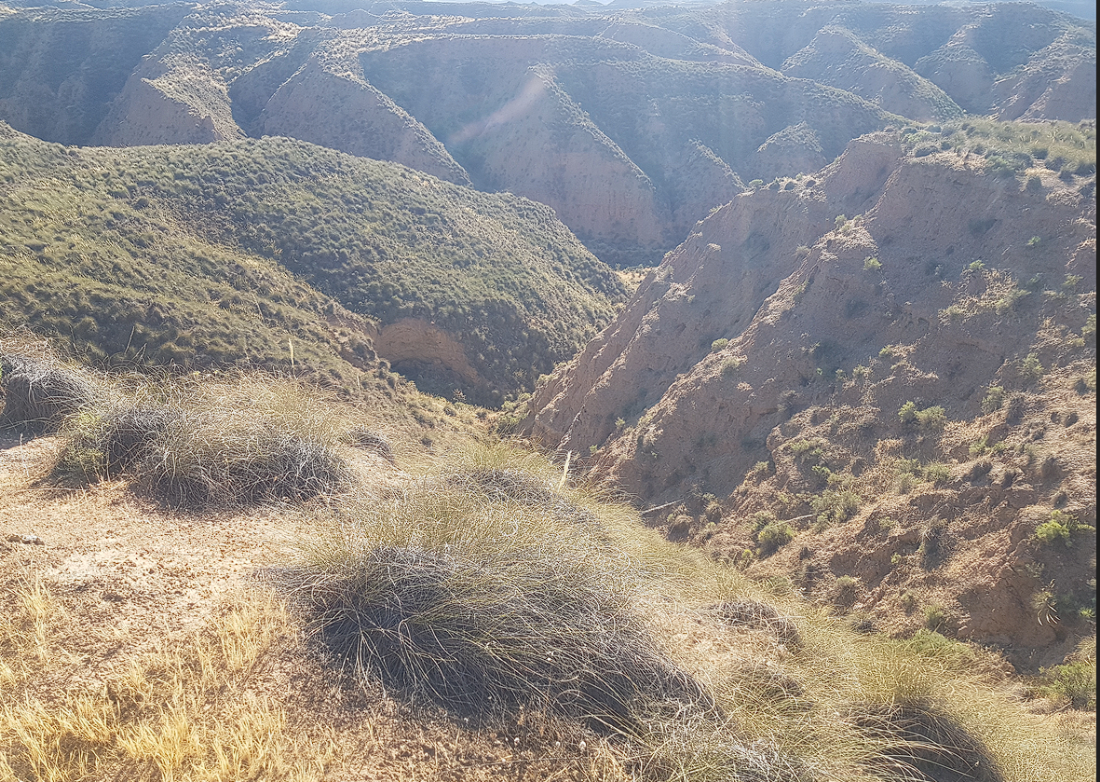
(930, 420)
(993, 399)
(1060, 527)
(937, 619)
(835, 505)
(1030, 368)
(773, 536)
(937, 472)
(1074, 682)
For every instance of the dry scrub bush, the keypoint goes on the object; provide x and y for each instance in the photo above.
(475, 591)
(206, 446)
(39, 393)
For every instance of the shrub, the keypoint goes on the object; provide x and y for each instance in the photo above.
(718, 345)
(760, 470)
(835, 505)
(807, 451)
(1074, 682)
(773, 536)
(1060, 526)
(872, 265)
(730, 367)
(929, 643)
(936, 618)
(930, 420)
(993, 399)
(937, 472)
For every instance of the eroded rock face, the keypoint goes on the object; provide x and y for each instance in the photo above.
(429, 356)
(367, 122)
(765, 363)
(181, 103)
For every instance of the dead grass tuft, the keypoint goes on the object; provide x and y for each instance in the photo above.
(39, 395)
(178, 713)
(199, 449)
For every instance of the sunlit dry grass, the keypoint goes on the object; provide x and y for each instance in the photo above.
(182, 712)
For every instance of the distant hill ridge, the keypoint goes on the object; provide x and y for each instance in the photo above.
(631, 123)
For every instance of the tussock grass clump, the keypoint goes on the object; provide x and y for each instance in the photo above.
(457, 593)
(701, 749)
(40, 393)
(197, 448)
(919, 743)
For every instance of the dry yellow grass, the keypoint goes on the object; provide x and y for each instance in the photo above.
(184, 711)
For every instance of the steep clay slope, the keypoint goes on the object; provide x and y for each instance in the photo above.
(961, 50)
(764, 366)
(59, 70)
(838, 58)
(370, 124)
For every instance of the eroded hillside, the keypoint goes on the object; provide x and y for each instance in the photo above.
(631, 123)
(886, 372)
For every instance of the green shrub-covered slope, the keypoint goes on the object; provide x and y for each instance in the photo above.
(225, 254)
